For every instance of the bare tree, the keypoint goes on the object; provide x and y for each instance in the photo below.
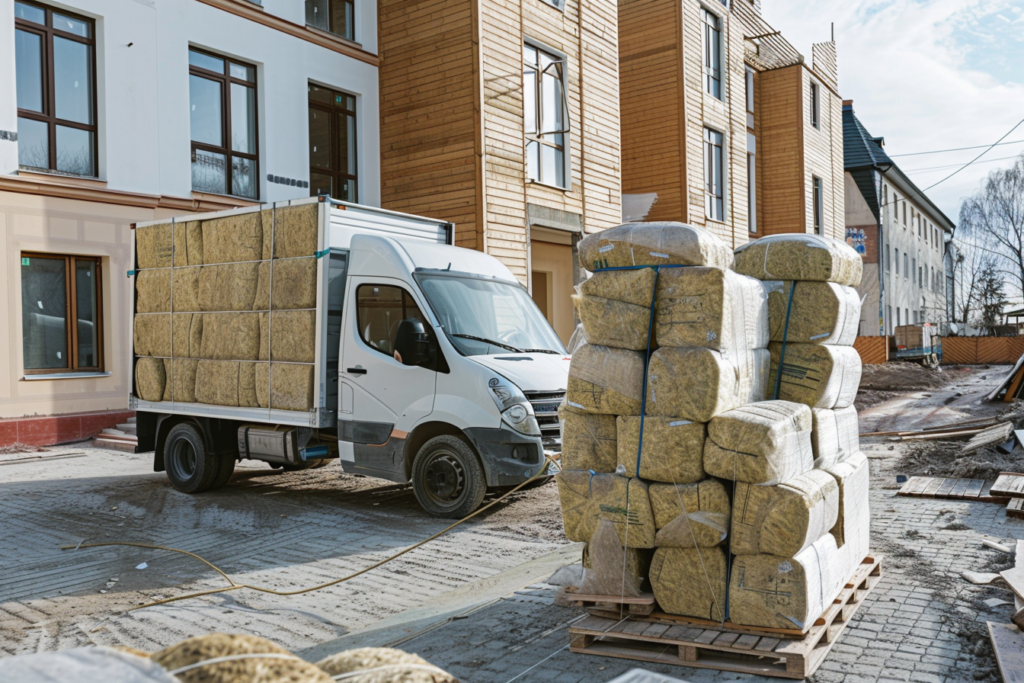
(968, 264)
(991, 297)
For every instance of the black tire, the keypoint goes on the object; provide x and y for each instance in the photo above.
(189, 465)
(447, 478)
(225, 468)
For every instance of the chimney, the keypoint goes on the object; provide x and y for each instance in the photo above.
(847, 105)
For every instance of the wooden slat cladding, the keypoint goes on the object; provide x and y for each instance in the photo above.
(782, 206)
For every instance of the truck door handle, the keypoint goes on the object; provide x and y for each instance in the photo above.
(355, 371)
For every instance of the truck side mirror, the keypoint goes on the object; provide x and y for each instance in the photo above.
(412, 343)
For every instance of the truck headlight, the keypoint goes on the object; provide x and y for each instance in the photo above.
(516, 411)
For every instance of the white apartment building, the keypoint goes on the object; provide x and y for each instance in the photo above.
(114, 112)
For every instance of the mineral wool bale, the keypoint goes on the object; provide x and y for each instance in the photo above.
(293, 333)
(153, 291)
(634, 287)
(816, 375)
(188, 335)
(153, 246)
(578, 515)
(690, 582)
(654, 244)
(186, 288)
(247, 397)
(690, 515)
(697, 384)
(181, 379)
(290, 386)
(288, 669)
(293, 230)
(800, 257)
(230, 336)
(152, 334)
(853, 526)
(228, 287)
(150, 378)
(760, 443)
(606, 380)
(217, 382)
(231, 239)
(586, 498)
(821, 313)
(188, 243)
(614, 323)
(785, 518)
(769, 591)
(672, 452)
(383, 665)
(588, 440)
(610, 569)
(294, 284)
(835, 435)
(710, 308)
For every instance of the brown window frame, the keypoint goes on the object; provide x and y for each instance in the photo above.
(71, 314)
(226, 79)
(49, 113)
(352, 12)
(333, 110)
(547, 138)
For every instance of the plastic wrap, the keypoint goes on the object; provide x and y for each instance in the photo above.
(588, 440)
(710, 308)
(690, 515)
(587, 498)
(786, 518)
(654, 244)
(606, 380)
(797, 256)
(634, 287)
(761, 443)
(673, 448)
(822, 312)
(852, 530)
(614, 323)
(690, 582)
(835, 435)
(697, 384)
(578, 339)
(610, 569)
(578, 516)
(816, 375)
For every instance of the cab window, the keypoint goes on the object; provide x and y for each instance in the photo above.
(380, 309)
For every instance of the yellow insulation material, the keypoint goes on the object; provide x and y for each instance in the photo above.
(606, 380)
(186, 289)
(231, 336)
(793, 256)
(785, 518)
(835, 435)
(653, 244)
(153, 291)
(181, 379)
(710, 308)
(150, 379)
(690, 582)
(816, 375)
(760, 443)
(292, 386)
(294, 336)
(588, 441)
(614, 323)
(673, 448)
(383, 665)
(153, 246)
(610, 569)
(294, 284)
(228, 287)
(294, 230)
(634, 287)
(697, 384)
(587, 498)
(690, 515)
(250, 670)
(232, 239)
(822, 312)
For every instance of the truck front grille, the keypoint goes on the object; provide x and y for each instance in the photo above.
(545, 407)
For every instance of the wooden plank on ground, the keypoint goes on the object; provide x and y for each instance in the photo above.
(932, 487)
(946, 488)
(1008, 644)
(1008, 484)
(960, 489)
(1015, 508)
(988, 437)
(974, 489)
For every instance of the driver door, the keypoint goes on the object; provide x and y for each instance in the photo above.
(382, 397)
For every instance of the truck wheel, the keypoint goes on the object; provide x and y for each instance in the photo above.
(225, 468)
(190, 467)
(447, 478)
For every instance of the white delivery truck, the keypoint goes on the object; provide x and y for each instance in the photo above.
(432, 365)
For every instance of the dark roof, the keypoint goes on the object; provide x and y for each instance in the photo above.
(860, 148)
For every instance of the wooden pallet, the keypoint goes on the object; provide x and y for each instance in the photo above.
(613, 606)
(952, 488)
(652, 640)
(1015, 508)
(1008, 645)
(1009, 485)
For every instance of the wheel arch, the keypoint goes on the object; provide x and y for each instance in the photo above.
(424, 433)
(218, 435)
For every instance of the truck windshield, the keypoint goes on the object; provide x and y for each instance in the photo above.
(484, 317)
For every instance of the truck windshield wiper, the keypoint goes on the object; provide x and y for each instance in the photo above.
(541, 351)
(487, 341)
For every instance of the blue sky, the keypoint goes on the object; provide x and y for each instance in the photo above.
(926, 75)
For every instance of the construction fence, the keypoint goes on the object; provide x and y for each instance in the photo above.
(955, 350)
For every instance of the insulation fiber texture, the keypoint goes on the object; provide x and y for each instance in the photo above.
(835, 435)
(760, 443)
(384, 665)
(614, 323)
(690, 582)
(294, 336)
(786, 518)
(152, 334)
(228, 287)
(800, 257)
(816, 375)
(181, 379)
(232, 239)
(588, 441)
(218, 381)
(606, 380)
(294, 284)
(153, 246)
(587, 498)
(852, 530)
(153, 291)
(610, 569)
(690, 515)
(578, 517)
(822, 312)
(634, 287)
(654, 244)
(697, 384)
(295, 230)
(290, 386)
(710, 308)
(254, 670)
(186, 288)
(672, 452)
(231, 336)
(150, 379)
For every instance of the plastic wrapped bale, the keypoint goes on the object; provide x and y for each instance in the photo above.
(606, 380)
(835, 435)
(228, 287)
(293, 230)
(697, 384)
(786, 518)
(614, 323)
(152, 334)
(294, 284)
(586, 498)
(588, 441)
(610, 569)
(690, 515)
(230, 336)
(852, 530)
(654, 244)
(153, 245)
(186, 289)
(181, 379)
(578, 516)
(690, 582)
(710, 308)
(153, 291)
(294, 336)
(634, 287)
(92, 664)
(217, 382)
(816, 375)
(150, 378)
(673, 448)
(795, 256)
(769, 591)
(383, 665)
(760, 443)
(822, 312)
(233, 239)
(284, 386)
(282, 668)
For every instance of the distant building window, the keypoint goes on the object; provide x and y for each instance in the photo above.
(898, 317)
(560, 4)
(888, 319)
(545, 116)
(222, 95)
(904, 205)
(752, 192)
(61, 325)
(55, 70)
(712, 53)
(750, 97)
(815, 105)
(714, 178)
(819, 206)
(906, 266)
(888, 259)
(897, 261)
(332, 144)
(336, 16)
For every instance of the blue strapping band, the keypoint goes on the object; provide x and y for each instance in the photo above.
(322, 253)
(782, 352)
(131, 272)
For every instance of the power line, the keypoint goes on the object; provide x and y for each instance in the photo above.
(957, 149)
(942, 168)
(977, 157)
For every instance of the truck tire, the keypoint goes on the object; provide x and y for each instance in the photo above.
(447, 477)
(189, 464)
(225, 468)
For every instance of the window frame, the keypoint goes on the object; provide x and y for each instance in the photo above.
(752, 192)
(49, 113)
(407, 297)
(712, 53)
(710, 197)
(815, 105)
(557, 57)
(71, 315)
(226, 80)
(332, 111)
(355, 21)
(749, 95)
(818, 200)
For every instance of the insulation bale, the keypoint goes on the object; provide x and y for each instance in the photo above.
(231, 336)
(382, 665)
(588, 441)
(586, 498)
(710, 308)
(697, 384)
(634, 287)
(232, 239)
(690, 515)
(785, 518)
(852, 529)
(294, 284)
(153, 291)
(835, 435)
(610, 569)
(228, 287)
(153, 246)
(760, 443)
(188, 244)
(152, 334)
(292, 386)
(247, 396)
(150, 378)
(822, 312)
(293, 333)
(672, 452)
(181, 379)
(294, 230)
(186, 288)
(654, 244)
(606, 380)
(690, 582)
(614, 323)
(250, 669)
(217, 382)
(578, 517)
(188, 335)
(796, 256)
(816, 375)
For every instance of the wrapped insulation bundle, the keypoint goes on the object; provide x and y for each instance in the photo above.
(760, 443)
(815, 375)
(821, 313)
(690, 582)
(794, 256)
(588, 441)
(654, 244)
(697, 384)
(710, 308)
(835, 435)
(606, 380)
(673, 449)
(785, 518)
(690, 515)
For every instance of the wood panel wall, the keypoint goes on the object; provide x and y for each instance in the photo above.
(780, 152)
(982, 350)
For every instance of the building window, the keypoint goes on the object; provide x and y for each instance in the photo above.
(815, 105)
(897, 261)
(750, 97)
(906, 266)
(332, 144)
(222, 94)
(888, 258)
(714, 185)
(55, 69)
(898, 316)
(336, 16)
(712, 53)
(819, 206)
(752, 192)
(60, 313)
(904, 205)
(920, 277)
(545, 117)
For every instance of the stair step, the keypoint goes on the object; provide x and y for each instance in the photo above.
(111, 432)
(127, 428)
(115, 444)
(131, 420)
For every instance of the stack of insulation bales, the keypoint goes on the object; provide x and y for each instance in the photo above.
(206, 327)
